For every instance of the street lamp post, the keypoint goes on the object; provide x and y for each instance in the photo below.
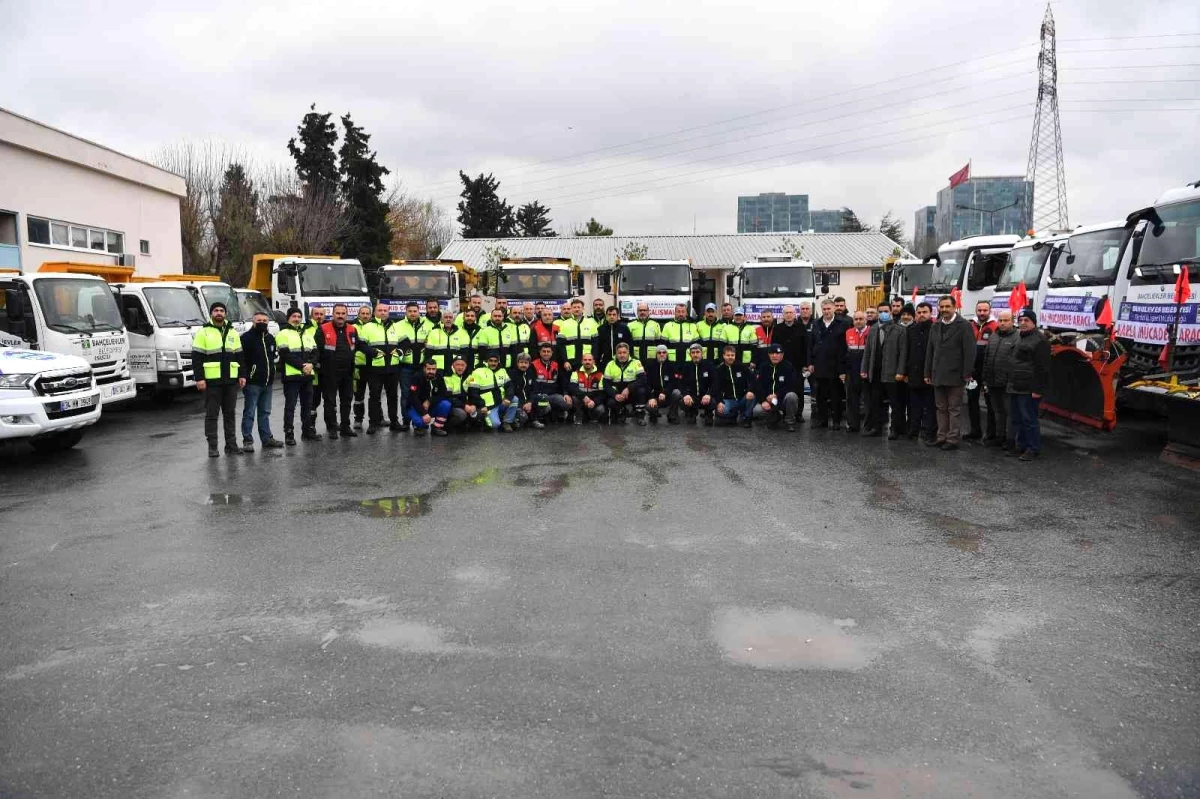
(991, 212)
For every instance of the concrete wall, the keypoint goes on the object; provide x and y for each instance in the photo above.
(50, 174)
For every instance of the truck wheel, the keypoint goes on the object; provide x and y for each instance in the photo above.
(57, 441)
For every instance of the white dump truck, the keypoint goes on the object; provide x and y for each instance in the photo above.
(402, 282)
(660, 284)
(303, 281)
(972, 266)
(771, 280)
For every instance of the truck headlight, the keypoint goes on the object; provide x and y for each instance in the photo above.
(168, 361)
(15, 381)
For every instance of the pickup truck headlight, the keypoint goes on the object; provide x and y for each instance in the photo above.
(15, 381)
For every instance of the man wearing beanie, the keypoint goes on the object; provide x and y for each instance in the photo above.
(217, 366)
(1027, 384)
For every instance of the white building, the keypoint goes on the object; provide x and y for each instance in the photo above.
(848, 260)
(63, 198)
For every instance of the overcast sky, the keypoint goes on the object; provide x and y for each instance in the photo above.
(867, 104)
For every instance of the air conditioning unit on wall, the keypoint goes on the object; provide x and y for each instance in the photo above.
(126, 259)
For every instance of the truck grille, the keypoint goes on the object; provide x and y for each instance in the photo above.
(63, 384)
(104, 380)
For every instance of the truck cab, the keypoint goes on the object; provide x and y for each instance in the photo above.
(251, 302)
(771, 281)
(972, 265)
(401, 282)
(553, 281)
(1027, 263)
(1166, 238)
(305, 281)
(208, 289)
(46, 398)
(1085, 272)
(67, 309)
(660, 284)
(162, 318)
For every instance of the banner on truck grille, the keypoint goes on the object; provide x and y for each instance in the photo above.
(659, 308)
(1069, 311)
(1150, 322)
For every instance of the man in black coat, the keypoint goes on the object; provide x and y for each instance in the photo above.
(949, 363)
(1027, 384)
(793, 337)
(612, 332)
(921, 420)
(827, 366)
(258, 348)
(776, 394)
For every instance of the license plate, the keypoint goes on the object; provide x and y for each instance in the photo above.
(75, 404)
(116, 391)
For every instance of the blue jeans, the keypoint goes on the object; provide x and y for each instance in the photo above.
(439, 412)
(509, 414)
(1026, 429)
(739, 409)
(257, 398)
(407, 373)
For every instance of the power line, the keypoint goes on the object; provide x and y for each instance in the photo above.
(1128, 66)
(1115, 38)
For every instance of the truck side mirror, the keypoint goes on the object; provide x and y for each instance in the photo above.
(887, 284)
(604, 282)
(579, 284)
(13, 302)
(729, 283)
(133, 319)
(824, 282)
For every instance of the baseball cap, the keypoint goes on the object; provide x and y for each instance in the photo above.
(712, 306)
(739, 311)
(774, 348)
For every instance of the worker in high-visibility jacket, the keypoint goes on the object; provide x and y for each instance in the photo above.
(678, 334)
(521, 320)
(475, 303)
(575, 335)
(297, 347)
(217, 370)
(741, 334)
(316, 318)
(587, 392)
(645, 334)
(445, 343)
(710, 331)
(414, 332)
(625, 385)
(475, 352)
(488, 390)
(383, 370)
(501, 337)
(456, 391)
(359, 382)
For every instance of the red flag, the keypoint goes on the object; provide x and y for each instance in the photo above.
(956, 295)
(914, 296)
(1105, 319)
(1018, 298)
(1183, 288)
(1164, 358)
(961, 176)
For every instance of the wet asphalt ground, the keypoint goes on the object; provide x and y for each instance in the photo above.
(660, 612)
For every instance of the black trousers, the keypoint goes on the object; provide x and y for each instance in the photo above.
(316, 398)
(830, 393)
(973, 412)
(876, 413)
(998, 400)
(921, 415)
(636, 401)
(220, 400)
(338, 391)
(359, 384)
(383, 383)
(898, 401)
(297, 392)
(855, 388)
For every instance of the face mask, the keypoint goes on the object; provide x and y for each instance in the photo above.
(885, 317)
(261, 327)
(905, 323)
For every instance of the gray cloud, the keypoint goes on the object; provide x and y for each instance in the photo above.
(488, 88)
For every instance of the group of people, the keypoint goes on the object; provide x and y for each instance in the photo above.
(893, 366)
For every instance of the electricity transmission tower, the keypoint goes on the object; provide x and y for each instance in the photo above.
(1045, 167)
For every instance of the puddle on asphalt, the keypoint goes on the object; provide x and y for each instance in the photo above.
(413, 505)
(407, 636)
(964, 543)
(224, 499)
(959, 533)
(395, 507)
(786, 639)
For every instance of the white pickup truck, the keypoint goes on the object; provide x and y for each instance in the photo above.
(46, 398)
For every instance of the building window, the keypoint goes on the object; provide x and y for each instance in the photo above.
(75, 237)
(39, 231)
(876, 276)
(835, 276)
(144, 247)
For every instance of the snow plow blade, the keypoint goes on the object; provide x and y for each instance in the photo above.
(1083, 381)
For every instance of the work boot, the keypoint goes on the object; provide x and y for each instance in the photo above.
(641, 420)
(949, 446)
(272, 443)
(233, 449)
(419, 431)
(333, 434)
(537, 425)
(438, 431)
(248, 445)
(933, 442)
(213, 452)
(372, 429)
(310, 435)
(506, 428)
(403, 425)
(1027, 455)
(289, 438)
(348, 432)
(579, 418)
(395, 426)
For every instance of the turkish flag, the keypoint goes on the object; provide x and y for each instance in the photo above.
(961, 176)
(1164, 358)
(914, 296)
(1105, 318)
(956, 295)
(1018, 298)
(1183, 288)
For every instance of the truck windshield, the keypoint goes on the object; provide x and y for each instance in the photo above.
(333, 280)
(655, 279)
(223, 294)
(949, 270)
(415, 285)
(1176, 240)
(778, 281)
(1089, 259)
(1024, 266)
(537, 283)
(77, 306)
(174, 307)
(916, 275)
(251, 302)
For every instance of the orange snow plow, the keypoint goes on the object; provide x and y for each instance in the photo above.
(1084, 369)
